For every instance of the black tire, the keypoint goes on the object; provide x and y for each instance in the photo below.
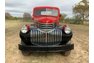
(26, 53)
(22, 42)
(67, 53)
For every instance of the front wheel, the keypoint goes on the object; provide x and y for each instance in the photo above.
(67, 53)
(26, 53)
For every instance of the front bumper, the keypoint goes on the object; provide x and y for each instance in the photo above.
(57, 48)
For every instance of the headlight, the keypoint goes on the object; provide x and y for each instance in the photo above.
(67, 29)
(24, 29)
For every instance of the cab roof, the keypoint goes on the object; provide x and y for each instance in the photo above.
(46, 7)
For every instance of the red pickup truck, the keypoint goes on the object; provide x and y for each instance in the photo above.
(46, 35)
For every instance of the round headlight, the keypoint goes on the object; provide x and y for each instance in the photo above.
(24, 29)
(67, 30)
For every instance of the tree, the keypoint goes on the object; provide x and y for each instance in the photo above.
(8, 15)
(82, 10)
(26, 16)
(63, 17)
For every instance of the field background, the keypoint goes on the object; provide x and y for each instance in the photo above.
(13, 55)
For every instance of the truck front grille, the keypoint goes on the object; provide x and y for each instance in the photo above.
(52, 37)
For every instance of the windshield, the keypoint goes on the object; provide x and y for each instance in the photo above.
(46, 11)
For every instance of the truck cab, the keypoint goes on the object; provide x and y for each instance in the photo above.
(46, 35)
(46, 15)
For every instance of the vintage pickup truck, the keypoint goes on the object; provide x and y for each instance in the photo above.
(46, 35)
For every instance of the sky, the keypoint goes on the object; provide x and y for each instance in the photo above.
(18, 7)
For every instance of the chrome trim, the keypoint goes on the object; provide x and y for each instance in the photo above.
(40, 37)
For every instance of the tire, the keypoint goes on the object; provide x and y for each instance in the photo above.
(69, 42)
(26, 53)
(67, 53)
(22, 43)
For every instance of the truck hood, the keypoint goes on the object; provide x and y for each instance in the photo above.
(46, 19)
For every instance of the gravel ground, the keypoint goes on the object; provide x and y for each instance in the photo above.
(78, 55)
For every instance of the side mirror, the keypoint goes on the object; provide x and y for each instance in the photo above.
(32, 18)
(60, 15)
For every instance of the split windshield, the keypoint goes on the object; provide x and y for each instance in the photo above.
(46, 11)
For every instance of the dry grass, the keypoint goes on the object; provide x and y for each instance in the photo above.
(78, 55)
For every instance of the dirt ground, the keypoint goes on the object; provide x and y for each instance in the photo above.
(78, 55)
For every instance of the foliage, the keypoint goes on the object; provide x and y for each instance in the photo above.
(63, 17)
(26, 17)
(8, 16)
(81, 10)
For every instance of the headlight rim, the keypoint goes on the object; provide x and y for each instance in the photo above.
(67, 29)
(24, 29)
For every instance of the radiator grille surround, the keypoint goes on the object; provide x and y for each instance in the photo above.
(46, 37)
